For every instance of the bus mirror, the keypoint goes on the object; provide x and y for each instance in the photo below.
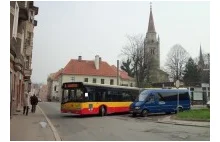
(86, 94)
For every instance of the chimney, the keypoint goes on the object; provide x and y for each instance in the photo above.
(97, 62)
(100, 59)
(80, 58)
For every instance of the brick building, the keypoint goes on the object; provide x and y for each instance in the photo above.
(22, 25)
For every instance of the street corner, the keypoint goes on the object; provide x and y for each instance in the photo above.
(173, 120)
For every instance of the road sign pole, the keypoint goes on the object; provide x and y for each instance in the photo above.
(177, 86)
(178, 100)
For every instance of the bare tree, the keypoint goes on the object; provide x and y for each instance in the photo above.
(176, 60)
(134, 50)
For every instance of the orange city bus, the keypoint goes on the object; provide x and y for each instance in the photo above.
(84, 98)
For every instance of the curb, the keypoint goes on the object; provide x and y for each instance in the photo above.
(55, 133)
(174, 123)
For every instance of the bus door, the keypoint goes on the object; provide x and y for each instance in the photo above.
(152, 103)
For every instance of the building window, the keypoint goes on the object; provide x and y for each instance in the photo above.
(72, 79)
(131, 85)
(55, 88)
(111, 81)
(102, 81)
(152, 51)
(86, 80)
(15, 24)
(94, 80)
(27, 62)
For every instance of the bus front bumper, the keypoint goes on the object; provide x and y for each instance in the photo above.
(71, 111)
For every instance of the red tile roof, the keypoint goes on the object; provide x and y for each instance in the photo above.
(57, 74)
(87, 67)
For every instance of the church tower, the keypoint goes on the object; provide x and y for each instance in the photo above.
(152, 53)
(152, 44)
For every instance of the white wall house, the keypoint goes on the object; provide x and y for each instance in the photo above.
(54, 89)
(92, 71)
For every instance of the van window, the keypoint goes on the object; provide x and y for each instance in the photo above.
(151, 98)
(143, 95)
(172, 96)
(160, 98)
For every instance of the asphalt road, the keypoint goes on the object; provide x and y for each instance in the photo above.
(119, 127)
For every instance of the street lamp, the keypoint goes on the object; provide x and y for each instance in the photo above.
(177, 86)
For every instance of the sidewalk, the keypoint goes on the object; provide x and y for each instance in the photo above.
(30, 128)
(198, 106)
(168, 120)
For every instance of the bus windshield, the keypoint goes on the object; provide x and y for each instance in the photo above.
(73, 94)
(142, 96)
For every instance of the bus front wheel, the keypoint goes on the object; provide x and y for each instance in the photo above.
(102, 111)
(144, 113)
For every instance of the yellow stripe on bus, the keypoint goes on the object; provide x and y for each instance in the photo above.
(73, 105)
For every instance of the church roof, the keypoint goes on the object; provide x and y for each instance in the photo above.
(151, 28)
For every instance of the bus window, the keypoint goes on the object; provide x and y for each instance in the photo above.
(79, 94)
(71, 95)
(91, 97)
(126, 96)
(65, 95)
(98, 96)
(113, 95)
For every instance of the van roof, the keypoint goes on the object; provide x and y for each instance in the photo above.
(167, 90)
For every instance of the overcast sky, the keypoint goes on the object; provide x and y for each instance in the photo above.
(66, 30)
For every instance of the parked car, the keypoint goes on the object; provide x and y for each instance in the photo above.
(208, 104)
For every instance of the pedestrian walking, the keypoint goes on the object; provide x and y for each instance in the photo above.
(34, 102)
(26, 104)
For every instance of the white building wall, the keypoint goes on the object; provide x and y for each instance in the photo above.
(80, 78)
(54, 93)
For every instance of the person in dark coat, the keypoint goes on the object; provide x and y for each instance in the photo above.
(34, 102)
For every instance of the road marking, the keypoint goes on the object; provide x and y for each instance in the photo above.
(55, 133)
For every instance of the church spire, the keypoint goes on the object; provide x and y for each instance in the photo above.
(201, 61)
(151, 28)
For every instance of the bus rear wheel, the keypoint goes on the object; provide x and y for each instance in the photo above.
(102, 111)
(144, 113)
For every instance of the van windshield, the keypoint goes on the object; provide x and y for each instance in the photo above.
(143, 95)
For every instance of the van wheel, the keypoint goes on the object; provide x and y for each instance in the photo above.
(179, 109)
(102, 111)
(144, 113)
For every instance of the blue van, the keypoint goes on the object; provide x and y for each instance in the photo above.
(159, 101)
